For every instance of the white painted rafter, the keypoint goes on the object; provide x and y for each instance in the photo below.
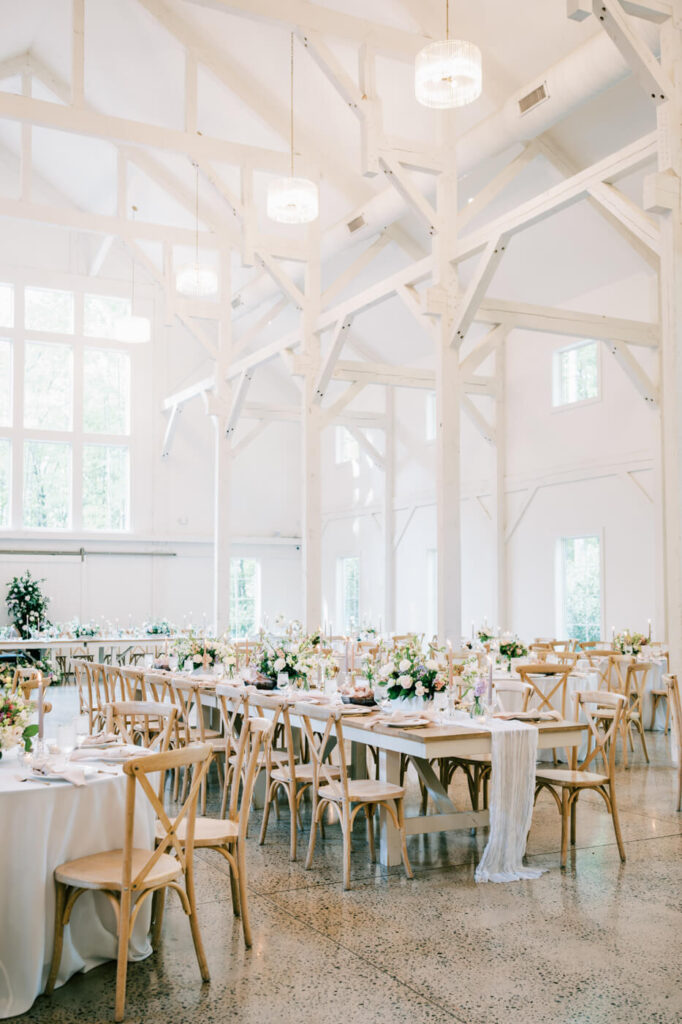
(634, 50)
(337, 342)
(485, 429)
(466, 310)
(408, 191)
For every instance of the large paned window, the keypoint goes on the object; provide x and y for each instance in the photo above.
(349, 592)
(65, 410)
(581, 587)
(576, 374)
(244, 596)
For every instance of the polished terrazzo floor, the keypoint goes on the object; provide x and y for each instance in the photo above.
(600, 942)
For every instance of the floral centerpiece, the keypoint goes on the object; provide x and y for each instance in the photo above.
(26, 604)
(292, 657)
(196, 652)
(474, 680)
(410, 673)
(15, 720)
(160, 627)
(630, 643)
(512, 649)
(82, 629)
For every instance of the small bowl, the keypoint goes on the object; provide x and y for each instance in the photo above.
(364, 702)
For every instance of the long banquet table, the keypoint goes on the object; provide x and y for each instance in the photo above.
(421, 745)
(45, 824)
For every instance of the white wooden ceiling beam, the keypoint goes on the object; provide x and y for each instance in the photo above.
(238, 399)
(632, 368)
(476, 204)
(370, 450)
(282, 279)
(334, 411)
(485, 347)
(356, 267)
(385, 373)
(169, 433)
(240, 446)
(78, 52)
(411, 299)
(263, 354)
(413, 157)
(264, 321)
(634, 50)
(178, 398)
(103, 249)
(376, 293)
(408, 191)
(651, 10)
(332, 69)
(552, 320)
(327, 21)
(485, 429)
(476, 289)
(84, 121)
(338, 340)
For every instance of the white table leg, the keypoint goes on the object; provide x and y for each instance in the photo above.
(389, 845)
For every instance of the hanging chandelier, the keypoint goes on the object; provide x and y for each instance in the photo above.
(196, 279)
(448, 73)
(131, 328)
(292, 200)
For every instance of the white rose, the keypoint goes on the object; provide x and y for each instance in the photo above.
(404, 665)
(406, 682)
(197, 659)
(419, 690)
(279, 664)
(432, 665)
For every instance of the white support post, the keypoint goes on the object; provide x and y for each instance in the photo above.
(311, 562)
(78, 53)
(223, 466)
(371, 125)
(389, 513)
(447, 405)
(499, 503)
(670, 163)
(26, 143)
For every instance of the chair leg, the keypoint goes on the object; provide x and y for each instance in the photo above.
(266, 812)
(400, 811)
(313, 832)
(565, 812)
(616, 822)
(58, 936)
(369, 811)
(158, 905)
(293, 823)
(346, 832)
(574, 805)
(654, 705)
(640, 729)
(241, 879)
(194, 923)
(122, 959)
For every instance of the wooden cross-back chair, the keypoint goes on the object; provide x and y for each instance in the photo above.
(566, 784)
(540, 650)
(147, 722)
(347, 796)
(233, 705)
(659, 650)
(128, 876)
(675, 705)
(633, 688)
(192, 728)
(289, 776)
(228, 836)
(93, 694)
(599, 661)
(553, 696)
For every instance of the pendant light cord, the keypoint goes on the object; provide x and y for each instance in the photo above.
(291, 105)
(196, 214)
(447, 19)
(132, 283)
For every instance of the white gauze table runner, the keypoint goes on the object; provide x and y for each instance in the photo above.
(514, 748)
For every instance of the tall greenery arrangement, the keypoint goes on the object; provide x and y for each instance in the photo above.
(26, 603)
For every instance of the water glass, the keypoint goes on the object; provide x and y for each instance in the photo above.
(66, 737)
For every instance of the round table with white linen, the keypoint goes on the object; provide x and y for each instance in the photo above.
(44, 825)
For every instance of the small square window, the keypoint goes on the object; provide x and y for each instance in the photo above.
(47, 485)
(49, 310)
(48, 386)
(576, 373)
(347, 448)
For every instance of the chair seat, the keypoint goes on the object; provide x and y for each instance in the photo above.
(278, 757)
(573, 779)
(207, 831)
(104, 870)
(304, 773)
(362, 791)
(608, 713)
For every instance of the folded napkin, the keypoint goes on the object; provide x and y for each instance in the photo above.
(529, 716)
(123, 752)
(100, 739)
(58, 769)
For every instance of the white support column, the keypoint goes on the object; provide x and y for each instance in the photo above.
(499, 504)
(311, 562)
(223, 465)
(447, 403)
(389, 513)
(670, 162)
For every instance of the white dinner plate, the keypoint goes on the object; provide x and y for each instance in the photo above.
(407, 723)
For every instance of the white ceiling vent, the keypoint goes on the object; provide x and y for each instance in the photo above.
(532, 99)
(356, 223)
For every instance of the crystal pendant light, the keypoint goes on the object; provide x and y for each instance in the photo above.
(196, 279)
(131, 328)
(292, 200)
(448, 73)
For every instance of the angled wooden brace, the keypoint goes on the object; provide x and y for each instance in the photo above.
(484, 428)
(339, 336)
(633, 49)
(409, 191)
(468, 307)
(631, 366)
(238, 400)
(171, 427)
(282, 280)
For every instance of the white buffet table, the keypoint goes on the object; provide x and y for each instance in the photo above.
(44, 825)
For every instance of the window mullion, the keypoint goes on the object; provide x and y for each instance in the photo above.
(77, 425)
(17, 471)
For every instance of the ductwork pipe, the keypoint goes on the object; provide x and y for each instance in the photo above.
(591, 69)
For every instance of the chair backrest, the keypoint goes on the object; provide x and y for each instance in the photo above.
(320, 743)
(190, 708)
(589, 702)
(254, 737)
(552, 695)
(138, 769)
(281, 723)
(131, 682)
(26, 679)
(673, 689)
(152, 723)
(512, 694)
(81, 671)
(635, 685)
(540, 650)
(234, 707)
(618, 672)
(154, 685)
(115, 684)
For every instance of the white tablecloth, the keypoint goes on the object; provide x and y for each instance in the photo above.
(654, 681)
(44, 826)
(578, 680)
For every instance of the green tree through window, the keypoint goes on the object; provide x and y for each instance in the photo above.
(244, 596)
(581, 584)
